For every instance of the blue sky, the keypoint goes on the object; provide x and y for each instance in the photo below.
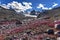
(35, 3)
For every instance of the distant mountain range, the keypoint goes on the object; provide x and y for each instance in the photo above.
(9, 14)
(54, 13)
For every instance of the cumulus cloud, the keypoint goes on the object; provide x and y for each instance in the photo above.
(18, 7)
(25, 3)
(42, 6)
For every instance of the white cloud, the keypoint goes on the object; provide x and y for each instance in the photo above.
(25, 3)
(5, 6)
(18, 7)
(55, 4)
(42, 6)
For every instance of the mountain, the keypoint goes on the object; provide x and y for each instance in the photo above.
(9, 14)
(54, 13)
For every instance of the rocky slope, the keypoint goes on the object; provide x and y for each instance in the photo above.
(54, 13)
(9, 14)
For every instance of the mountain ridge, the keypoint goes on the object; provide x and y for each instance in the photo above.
(10, 14)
